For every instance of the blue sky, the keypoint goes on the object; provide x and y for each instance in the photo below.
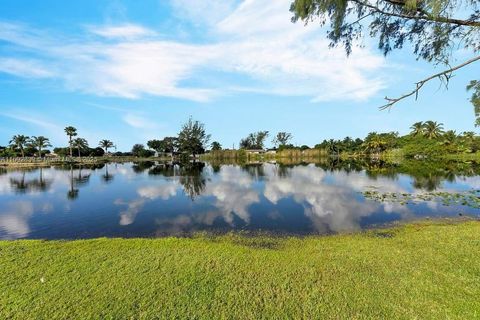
(127, 72)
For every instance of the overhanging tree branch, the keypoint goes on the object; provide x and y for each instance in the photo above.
(425, 15)
(446, 73)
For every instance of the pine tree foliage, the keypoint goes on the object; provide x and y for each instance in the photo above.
(433, 29)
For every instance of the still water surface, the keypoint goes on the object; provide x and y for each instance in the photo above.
(153, 199)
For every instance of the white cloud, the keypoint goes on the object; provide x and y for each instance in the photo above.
(128, 216)
(24, 68)
(52, 130)
(259, 18)
(332, 205)
(146, 193)
(203, 12)
(138, 121)
(254, 41)
(14, 221)
(33, 120)
(291, 59)
(164, 192)
(126, 31)
(133, 69)
(233, 193)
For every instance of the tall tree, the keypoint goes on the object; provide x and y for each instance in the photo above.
(157, 145)
(105, 144)
(138, 150)
(469, 139)
(333, 146)
(433, 129)
(375, 143)
(80, 144)
(171, 144)
(468, 135)
(193, 138)
(449, 137)
(254, 140)
(215, 146)
(20, 141)
(281, 139)
(71, 132)
(417, 128)
(434, 29)
(40, 143)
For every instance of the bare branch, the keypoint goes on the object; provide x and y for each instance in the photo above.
(444, 75)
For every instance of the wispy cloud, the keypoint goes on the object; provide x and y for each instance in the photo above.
(292, 59)
(25, 68)
(33, 120)
(203, 12)
(137, 121)
(40, 125)
(252, 42)
(126, 31)
(14, 219)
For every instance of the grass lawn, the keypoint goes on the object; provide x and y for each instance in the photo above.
(421, 271)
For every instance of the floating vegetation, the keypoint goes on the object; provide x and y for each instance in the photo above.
(469, 198)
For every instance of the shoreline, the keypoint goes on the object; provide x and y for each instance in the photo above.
(250, 159)
(375, 229)
(76, 162)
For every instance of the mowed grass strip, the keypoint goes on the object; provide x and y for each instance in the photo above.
(416, 271)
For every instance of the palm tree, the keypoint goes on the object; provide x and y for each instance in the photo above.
(417, 128)
(332, 147)
(40, 143)
(375, 144)
(468, 135)
(449, 138)
(80, 144)
(433, 129)
(71, 132)
(105, 144)
(19, 141)
(468, 140)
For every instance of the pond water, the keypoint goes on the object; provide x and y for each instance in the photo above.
(152, 199)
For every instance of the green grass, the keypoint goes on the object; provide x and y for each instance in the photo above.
(417, 271)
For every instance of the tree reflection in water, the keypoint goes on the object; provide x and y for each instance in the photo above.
(107, 177)
(192, 179)
(23, 185)
(141, 166)
(165, 169)
(255, 170)
(190, 175)
(165, 198)
(79, 179)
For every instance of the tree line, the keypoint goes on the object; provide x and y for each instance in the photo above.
(37, 146)
(425, 139)
(191, 140)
